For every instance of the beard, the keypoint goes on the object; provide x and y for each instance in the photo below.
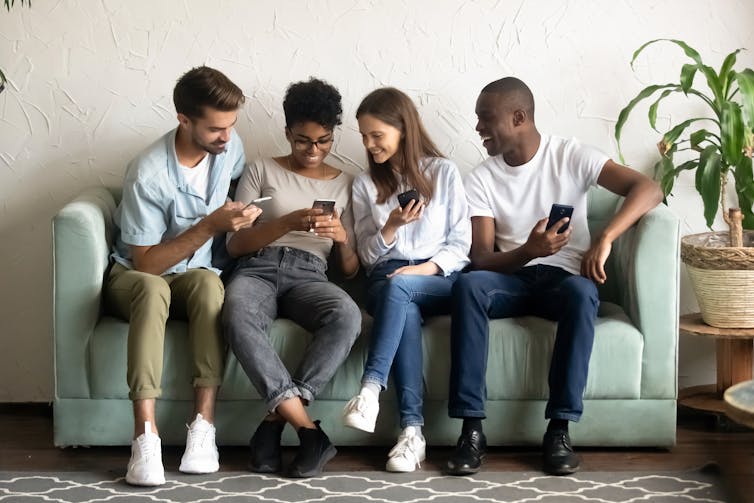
(214, 148)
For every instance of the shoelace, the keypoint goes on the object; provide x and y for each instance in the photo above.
(405, 447)
(197, 436)
(147, 447)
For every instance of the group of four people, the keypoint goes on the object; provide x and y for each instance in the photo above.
(415, 253)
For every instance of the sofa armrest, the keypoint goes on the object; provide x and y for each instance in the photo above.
(81, 241)
(647, 263)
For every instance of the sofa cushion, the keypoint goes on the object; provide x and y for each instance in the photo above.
(614, 370)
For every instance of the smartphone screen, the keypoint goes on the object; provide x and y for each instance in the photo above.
(326, 205)
(557, 212)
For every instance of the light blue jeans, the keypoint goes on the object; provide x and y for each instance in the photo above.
(397, 305)
(289, 283)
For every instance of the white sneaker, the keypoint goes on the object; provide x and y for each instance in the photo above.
(201, 454)
(408, 453)
(361, 412)
(145, 466)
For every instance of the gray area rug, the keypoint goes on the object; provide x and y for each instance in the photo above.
(335, 487)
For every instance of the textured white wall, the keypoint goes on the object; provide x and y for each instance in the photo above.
(91, 83)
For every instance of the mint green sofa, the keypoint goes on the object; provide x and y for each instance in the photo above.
(630, 397)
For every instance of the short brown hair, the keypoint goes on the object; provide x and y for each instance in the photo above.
(205, 87)
(395, 108)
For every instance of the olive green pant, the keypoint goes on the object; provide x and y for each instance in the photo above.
(145, 301)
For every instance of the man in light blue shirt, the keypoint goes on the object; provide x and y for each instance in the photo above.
(173, 205)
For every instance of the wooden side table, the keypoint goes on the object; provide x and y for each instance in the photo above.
(734, 359)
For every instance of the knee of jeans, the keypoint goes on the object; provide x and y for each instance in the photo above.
(464, 285)
(349, 314)
(151, 290)
(398, 286)
(581, 291)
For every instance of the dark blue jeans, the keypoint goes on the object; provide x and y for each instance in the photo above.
(397, 305)
(539, 290)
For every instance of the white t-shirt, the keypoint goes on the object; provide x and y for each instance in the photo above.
(442, 234)
(562, 171)
(198, 176)
(291, 191)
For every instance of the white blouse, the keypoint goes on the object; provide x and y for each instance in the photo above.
(442, 234)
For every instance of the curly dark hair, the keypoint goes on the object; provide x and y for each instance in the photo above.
(313, 100)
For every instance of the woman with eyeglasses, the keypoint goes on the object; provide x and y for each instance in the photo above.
(281, 272)
(414, 235)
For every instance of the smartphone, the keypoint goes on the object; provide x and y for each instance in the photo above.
(258, 200)
(406, 197)
(557, 212)
(326, 205)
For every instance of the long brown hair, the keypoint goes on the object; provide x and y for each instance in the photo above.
(395, 108)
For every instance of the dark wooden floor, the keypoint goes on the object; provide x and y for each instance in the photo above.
(26, 444)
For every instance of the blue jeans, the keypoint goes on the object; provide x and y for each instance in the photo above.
(397, 305)
(539, 290)
(289, 283)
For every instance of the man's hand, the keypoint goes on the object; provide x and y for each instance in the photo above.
(330, 226)
(544, 242)
(428, 268)
(593, 263)
(231, 217)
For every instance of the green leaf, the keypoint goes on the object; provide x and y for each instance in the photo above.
(671, 136)
(708, 182)
(623, 116)
(745, 80)
(665, 174)
(744, 177)
(653, 107)
(725, 71)
(687, 77)
(731, 133)
(697, 137)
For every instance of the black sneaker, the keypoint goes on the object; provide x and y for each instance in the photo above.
(558, 457)
(314, 451)
(266, 456)
(469, 453)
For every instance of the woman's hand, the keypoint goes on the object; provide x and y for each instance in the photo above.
(427, 268)
(301, 220)
(330, 226)
(401, 216)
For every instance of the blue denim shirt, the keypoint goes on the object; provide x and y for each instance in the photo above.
(158, 204)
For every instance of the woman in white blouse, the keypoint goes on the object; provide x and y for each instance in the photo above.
(413, 251)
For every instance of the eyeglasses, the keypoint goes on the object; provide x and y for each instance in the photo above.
(321, 144)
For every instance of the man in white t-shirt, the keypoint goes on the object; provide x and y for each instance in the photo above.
(522, 267)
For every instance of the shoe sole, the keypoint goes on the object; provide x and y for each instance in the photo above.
(358, 425)
(398, 470)
(199, 471)
(326, 456)
(560, 472)
(148, 483)
(468, 471)
(265, 468)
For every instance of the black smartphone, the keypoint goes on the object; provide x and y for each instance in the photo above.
(557, 212)
(326, 205)
(406, 197)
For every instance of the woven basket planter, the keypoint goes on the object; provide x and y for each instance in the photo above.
(722, 277)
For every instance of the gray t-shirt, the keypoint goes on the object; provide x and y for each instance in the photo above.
(290, 192)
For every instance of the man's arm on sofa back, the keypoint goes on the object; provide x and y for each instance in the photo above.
(82, 235)
(647, 262)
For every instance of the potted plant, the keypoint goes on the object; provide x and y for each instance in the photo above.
(717, 147)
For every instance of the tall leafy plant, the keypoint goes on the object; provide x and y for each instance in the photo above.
(721, 143)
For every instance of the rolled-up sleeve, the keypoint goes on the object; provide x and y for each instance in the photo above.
(142, 216)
